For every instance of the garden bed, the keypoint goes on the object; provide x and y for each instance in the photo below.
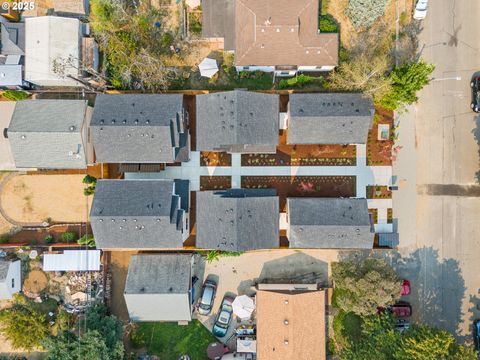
(389, 215)
(378, 192)
(305, 155)
(215, 182)
(211, 158)
(379, 152)
(303, 186)
(374, 213)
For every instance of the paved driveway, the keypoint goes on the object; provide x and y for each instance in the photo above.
(436, 173)
(238, 275)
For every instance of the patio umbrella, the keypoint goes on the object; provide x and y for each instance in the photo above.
(243, 306)
(208, 67)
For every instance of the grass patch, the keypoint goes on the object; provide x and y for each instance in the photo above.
(49, 305)
(347, 328)
(169, 341)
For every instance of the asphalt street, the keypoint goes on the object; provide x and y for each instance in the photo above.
(436, 168)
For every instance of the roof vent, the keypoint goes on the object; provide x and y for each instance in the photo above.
(136, 121)
(285, 342)
(285, 322)
(113, 121)
(102, 121)
(278, 30)
(23, 137)
(285, 302)
(147, 121)
(142, 289)
(307, 52)
(71, 128)
(292, 30)
(124, 121)
(170, 289)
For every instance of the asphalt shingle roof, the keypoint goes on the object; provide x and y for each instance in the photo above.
(329, 118)
(48, 134)
(139, 214)
(237, 219)
(329, 223)
(13, 39)
(237, 121)
(139, 128)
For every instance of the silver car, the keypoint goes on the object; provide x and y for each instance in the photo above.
(420, 12)
(208, 295)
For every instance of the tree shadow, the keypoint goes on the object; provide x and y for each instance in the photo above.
(437, 285)
(476, 135)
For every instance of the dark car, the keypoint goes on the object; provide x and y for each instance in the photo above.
(401, 309)
(206, 299)
(475, 85)
(224, 317)
(476, 334)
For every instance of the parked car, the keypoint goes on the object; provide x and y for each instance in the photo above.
(224, 317)
(402, 324)
(208, 296)
(401, 309)
(476, 334)
(475, 85)
(420, 12)
(405, 288)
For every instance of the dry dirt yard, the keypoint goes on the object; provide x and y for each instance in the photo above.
(34, 198)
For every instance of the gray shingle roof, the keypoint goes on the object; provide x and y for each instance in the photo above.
(13, 39)
(159, 274)
(139, 214)
(158, 287)
(237, 220)
(140, 128)
(218, 21)
(48, 134)
(329, 223)
(329, 118)
(237, 121)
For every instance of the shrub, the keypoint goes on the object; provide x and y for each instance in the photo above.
(49, 239)
(297, 81)
(69, 236)
(167, 39)
(4, 239)
(327, 24)
(87, 240)
(363, 13)
(90, 190)
(89, 180)
(15, 95)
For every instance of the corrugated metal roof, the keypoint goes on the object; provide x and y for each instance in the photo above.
(72, 260)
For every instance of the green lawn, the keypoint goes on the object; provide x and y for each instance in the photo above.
(347, 328)
(169, 341)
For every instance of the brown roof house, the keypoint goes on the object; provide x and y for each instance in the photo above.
(280, 36)
(291, 322)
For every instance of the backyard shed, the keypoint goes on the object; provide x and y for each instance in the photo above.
(158, 287)
(72, 260)
(10, 278)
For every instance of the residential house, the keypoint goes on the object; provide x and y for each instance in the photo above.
(237, 219)
(280, 36)
(10, 278)
(140, 128)
(158, 287)
(291, 322)
(53, 52)
(237, 121)
(12, 50)
(329, 118)
(50, 134)
(140, 214)
(334, 223)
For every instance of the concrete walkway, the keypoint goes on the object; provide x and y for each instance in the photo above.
(365, 175)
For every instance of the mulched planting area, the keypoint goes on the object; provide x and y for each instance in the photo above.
(211, 158)
(215, 182)
(303, 186)
(378, 192)
(379, 152)
(305, 155)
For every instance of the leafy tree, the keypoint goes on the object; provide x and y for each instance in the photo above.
(69, 236)
(91, 345)
(363, 13)
(88, 179)
(406, 81)
(24, 326)
(110, 327)
(361, 287)
(380, 340)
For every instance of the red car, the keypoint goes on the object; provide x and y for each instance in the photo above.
(405, 288)
(401, 309)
